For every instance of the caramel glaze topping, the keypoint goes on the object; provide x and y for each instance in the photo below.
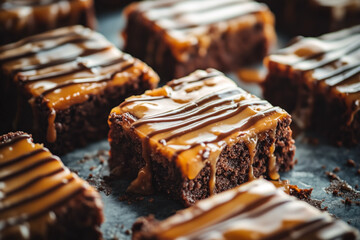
(33, 183)
(254, 210)
(191, 22)
(332, 61)
(65, 66)
(190, 120)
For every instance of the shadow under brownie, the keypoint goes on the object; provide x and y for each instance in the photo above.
(197, 136)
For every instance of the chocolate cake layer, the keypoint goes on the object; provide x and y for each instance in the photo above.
(40, 198)
(20, 19)
(178, 37)
(197, 136)
(317, 80)
(255, 210)
(62, 84)
(322, 16)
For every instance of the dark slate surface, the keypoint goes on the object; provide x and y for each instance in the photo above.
(308, 173)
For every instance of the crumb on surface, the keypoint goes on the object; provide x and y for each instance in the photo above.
(351, 163)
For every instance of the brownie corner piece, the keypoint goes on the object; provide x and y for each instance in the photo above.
(20, 19)
(317, 81)
(41, 198)
(197, 136)
(255, 210)
(178, 37)
(67, 81)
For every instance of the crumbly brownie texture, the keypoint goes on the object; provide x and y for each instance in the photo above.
(255, 210)
(317, 80)
(178, 37)
(20, 19)
(67, 81)
(322, 16)
(40, 197)
(197, 136)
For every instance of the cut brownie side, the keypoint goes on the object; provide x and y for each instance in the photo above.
(67, 82)
(255, 210)
(20, 19)
(40, 197)
(317, 79)
(178, 37)
(197, 136)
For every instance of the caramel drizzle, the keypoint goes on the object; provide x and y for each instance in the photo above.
(37, 164)
(86, 53)
(186, 111)
(264, 204)
(69, 179)
(179, 82)
(32, 52)
(347, 44)
(36, 38)
(245, 125)
(99, 79)
(177, 16)
(13, 141)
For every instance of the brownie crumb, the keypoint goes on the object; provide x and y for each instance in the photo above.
(90, 176)
(358, 171)
(151, 200)
(341, 188)
(92, 168)
(127, 232)
(316, 203)
(357, 186)
(337, 169)
(323, 167)
(351, 163)
(130, 198)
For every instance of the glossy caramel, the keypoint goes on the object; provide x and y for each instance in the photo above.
(188, 23)
(254, 210)
(190, 121)
(33, 183)
(66, 66)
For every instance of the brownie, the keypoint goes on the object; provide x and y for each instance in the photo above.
(20, 19)
(322, 16)
(317, 81)
(255, 210)
(197, 136)
(40, 197)
(62, 84)
(178, 37)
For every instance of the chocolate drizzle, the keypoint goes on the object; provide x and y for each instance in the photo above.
(33, 184)
(61, 78)
(180, 15)
(211, 114)
(255, 210)
(333, 58)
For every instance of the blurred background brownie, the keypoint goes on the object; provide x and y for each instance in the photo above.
(21, 18)
(40, 198)
(318, 81)
(197, 136)
(178, 37)
(255, 210)
(62, 84)
(314, 17)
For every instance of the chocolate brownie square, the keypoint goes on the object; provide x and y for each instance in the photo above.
(255, 210)
(197, 136)
(20, 19)
(62, 84)
(314, 17)
(40, 197)
(178, 37)
(317, 81)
